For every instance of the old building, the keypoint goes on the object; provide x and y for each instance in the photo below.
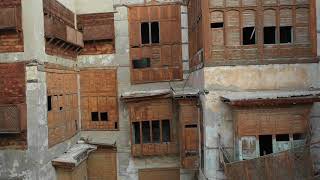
(158, 89)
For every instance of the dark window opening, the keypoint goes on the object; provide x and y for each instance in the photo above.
(265, 144)
(145, 33)
(298, 136)
(282, 137)
(165, 131)
(285, 34)
(191, 126)
(116, 125)
(155, 32)
(49, 99)
(156, 131)
(217, 25)
(104, 116)
(136, 133)
(146, 132)
(269, 34)
(76, 124)
(249, 35)
(141, 63)
(94, 116)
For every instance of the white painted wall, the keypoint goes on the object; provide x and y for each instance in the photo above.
(70, 4)
(93, 6)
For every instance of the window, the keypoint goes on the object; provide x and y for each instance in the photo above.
(282, 137)
(165, 131)
(150, 32)
(249, 35)
(49, 100)
(217, 25)
(285, 34)
(146, 132)
(104, 116)
(269, 34)
(265, 144)
(99, 116)
(151, 131)
(141, 63)
(94, 116)
(136, 132)
(298, 136)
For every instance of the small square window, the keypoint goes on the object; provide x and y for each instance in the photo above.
(104, 116)
(94, 116)
(285, 34)
(217, 25)
(249, 35)
(269, 34)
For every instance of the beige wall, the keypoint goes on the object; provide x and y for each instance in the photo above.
(93, 6)
(265, 77)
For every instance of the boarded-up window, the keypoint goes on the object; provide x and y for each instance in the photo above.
(63, 116)
(99, 101)
(232, 28)
(217, 29)
(248, 147)
(302, 26)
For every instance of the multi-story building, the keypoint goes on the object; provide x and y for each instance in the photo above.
(158, 89)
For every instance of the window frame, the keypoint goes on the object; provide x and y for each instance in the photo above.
(150, 32)
(133, 137)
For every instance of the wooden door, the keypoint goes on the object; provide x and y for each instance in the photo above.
(159, 174)
(102, 165)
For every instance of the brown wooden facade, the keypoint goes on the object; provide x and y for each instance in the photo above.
(62, 39)
(99, 100)
(224, 23)
(164, 56)
(13, 108)
(62, 97)
(98, 33)
(11, 34)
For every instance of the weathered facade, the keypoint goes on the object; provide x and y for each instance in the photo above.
(145, 89)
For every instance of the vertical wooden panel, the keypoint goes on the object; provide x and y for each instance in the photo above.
(102, 164)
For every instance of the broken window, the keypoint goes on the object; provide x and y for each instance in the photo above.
(269, 34)
(150, 33)
(165, 131)
(104, 116)
(146, 132)
(94, 116)
(136, 133)
(217, 25)
(141, 63)
(249, 35)
(285, 34)
(49, 103)
(156, 131)
(265, 144)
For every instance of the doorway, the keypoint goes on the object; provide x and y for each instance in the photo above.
(265, 144)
